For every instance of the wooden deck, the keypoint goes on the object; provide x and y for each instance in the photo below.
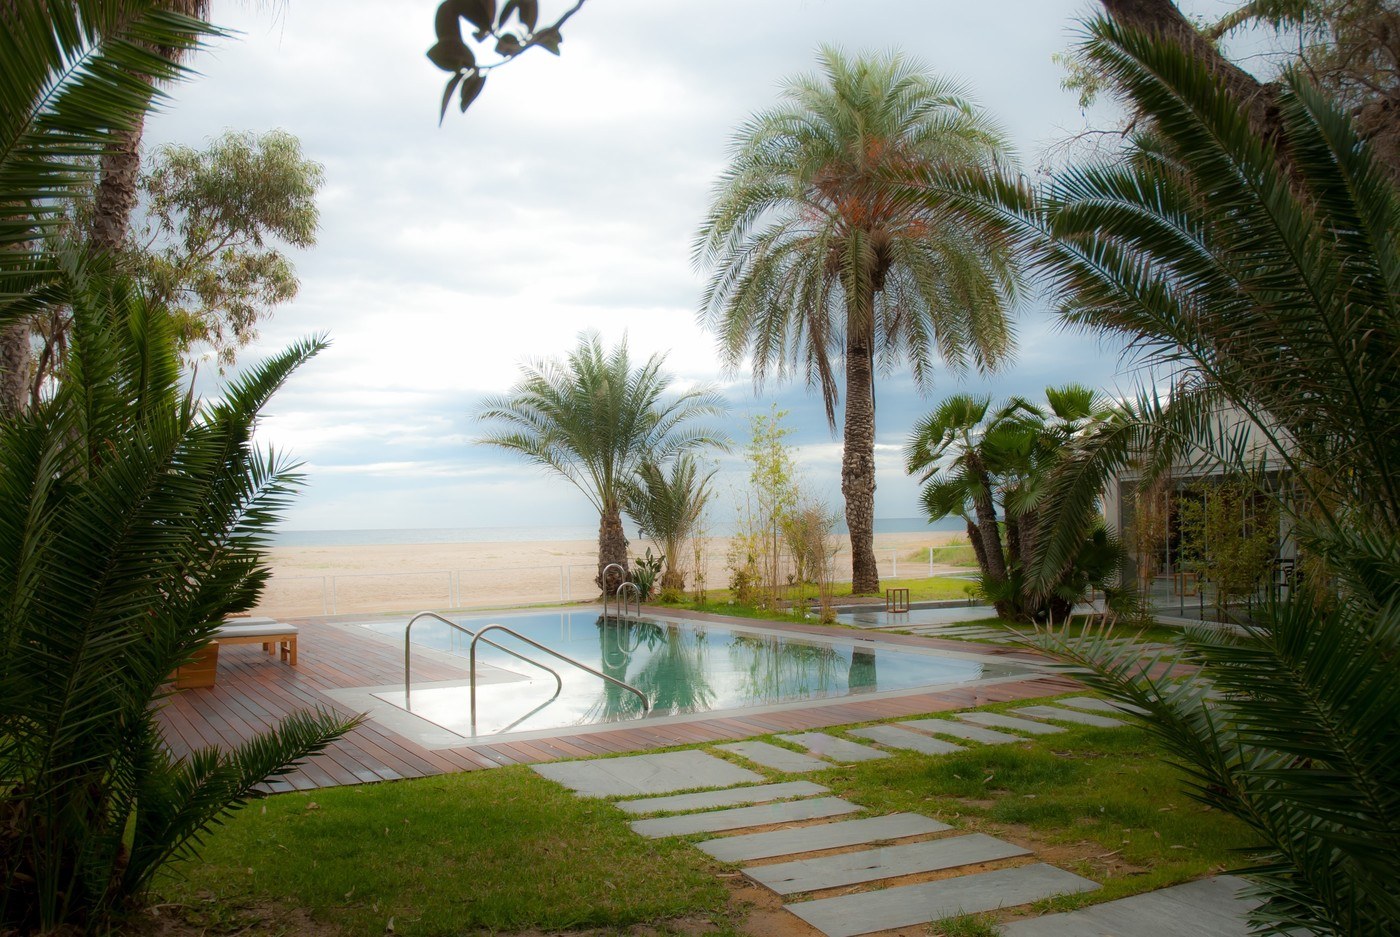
(254, 690)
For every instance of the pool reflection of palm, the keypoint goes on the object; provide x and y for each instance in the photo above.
(861, 678)
(672, 673)
(777, 669)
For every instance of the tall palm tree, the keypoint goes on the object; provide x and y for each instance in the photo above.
(594, 419)
(814, 263)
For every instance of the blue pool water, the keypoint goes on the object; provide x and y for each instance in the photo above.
(682, 668)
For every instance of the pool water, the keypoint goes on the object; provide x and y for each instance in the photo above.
(682, 668)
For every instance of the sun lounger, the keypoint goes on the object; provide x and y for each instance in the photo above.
(265, 631)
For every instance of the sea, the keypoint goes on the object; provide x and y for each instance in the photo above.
(525, 533)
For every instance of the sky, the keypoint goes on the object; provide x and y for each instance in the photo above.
(566, 199)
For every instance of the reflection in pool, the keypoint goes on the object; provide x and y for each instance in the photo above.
(681, 667)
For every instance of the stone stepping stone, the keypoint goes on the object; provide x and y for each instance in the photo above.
(907, 905)
(1010, 722)
(646, 774)
(750, 846)
(707, 800)
(738, 818)
(1068, 715)
(962, 730)
(1100, 705)
(833, 747)
(773, 756)
(896, 737)
(1211, 907)
(854, 868)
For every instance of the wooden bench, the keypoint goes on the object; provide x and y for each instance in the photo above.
(265, 631)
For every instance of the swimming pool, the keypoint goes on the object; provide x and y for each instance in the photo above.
(683, 667)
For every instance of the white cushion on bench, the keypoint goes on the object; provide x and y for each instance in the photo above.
(271, 630)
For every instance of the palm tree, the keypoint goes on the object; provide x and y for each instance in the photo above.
(133, 521)
(667, 508)
(594, 420)
(992, 468)
(814, 263)
(1264, 270)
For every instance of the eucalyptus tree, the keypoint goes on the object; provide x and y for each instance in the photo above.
(667, 507)
(594, 419)
(1261, 265)
(816, 270)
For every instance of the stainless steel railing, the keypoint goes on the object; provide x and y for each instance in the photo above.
(407, 652)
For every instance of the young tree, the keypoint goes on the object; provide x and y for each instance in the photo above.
(817, 270)
(594, 419)
(668, 507)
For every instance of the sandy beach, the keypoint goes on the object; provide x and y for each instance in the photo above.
(331, 580)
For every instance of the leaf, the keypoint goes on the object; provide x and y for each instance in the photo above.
(471, 88)
(529, 13)
(447, 94)
(445, 22)
(451, 55)
(508, 45)
(549, 38)
(480, 13)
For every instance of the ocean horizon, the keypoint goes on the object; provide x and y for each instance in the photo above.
(526, 533)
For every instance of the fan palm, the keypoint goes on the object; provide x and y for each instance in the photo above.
(131, 520)
(667, 508)
(1270, 285)
(594, 420)
(814, 263)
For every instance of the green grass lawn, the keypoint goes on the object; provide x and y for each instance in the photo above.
(498, 850)
(1146, 634)
(926, 589)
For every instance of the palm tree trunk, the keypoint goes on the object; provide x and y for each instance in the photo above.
(858, 463)
(14, 367)
(612, 548)
(116, 192)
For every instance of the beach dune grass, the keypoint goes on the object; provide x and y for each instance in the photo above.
(500, 850)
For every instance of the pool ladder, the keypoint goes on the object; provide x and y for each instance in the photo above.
(623, 606)
(480, 636)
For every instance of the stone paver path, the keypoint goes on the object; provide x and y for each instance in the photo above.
(1010, 722)
(751, 846)
(739, 817)
(871, 865)
(1100, 705)
(1068, 715)
(906, 905)
(729, 797)
(962, 730)
(833, 747)
(646, 774)
(775, 757)
(896, 737)
(865, 853)
(1211, 907)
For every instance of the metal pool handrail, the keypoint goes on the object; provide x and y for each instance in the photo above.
(604, 577)
(408, 632)
(646, 704)
(623, 605)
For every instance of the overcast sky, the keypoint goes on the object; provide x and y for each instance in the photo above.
(566, 199)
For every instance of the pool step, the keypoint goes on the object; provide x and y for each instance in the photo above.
(908, 905)
(738, 818)
(775, 757)
(871, 865)
(731, 797)
(749, 847)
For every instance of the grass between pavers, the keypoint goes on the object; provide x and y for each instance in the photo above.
(497, 850)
